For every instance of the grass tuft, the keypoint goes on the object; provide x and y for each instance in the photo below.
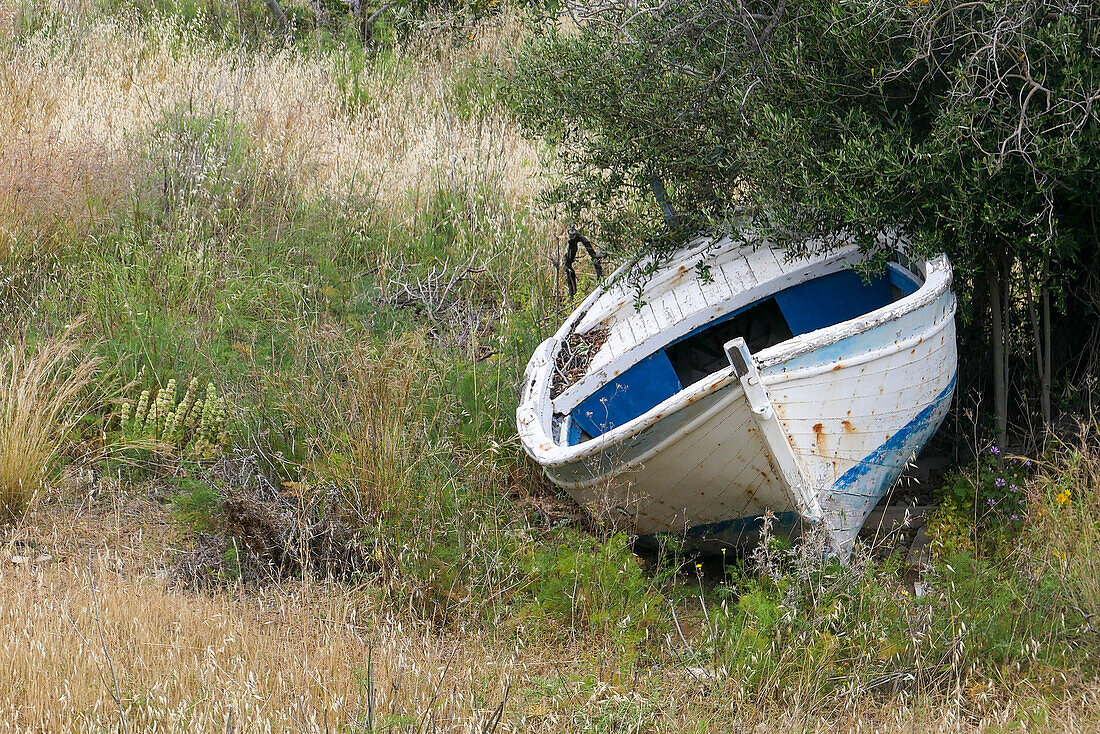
(1064, 538)
(41, 400)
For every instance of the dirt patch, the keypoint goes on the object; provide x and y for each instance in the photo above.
(137, 527)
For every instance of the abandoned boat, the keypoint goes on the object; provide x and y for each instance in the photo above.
(735, 386)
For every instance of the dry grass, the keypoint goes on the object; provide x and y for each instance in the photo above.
(41, 399)
(301, 657)
(310, 657)
(313, 658)
(292, 659)
(74, 98)
(94, 632)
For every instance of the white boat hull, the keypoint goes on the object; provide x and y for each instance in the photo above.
(831, 420)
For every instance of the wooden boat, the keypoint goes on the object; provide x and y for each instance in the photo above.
(734, 385)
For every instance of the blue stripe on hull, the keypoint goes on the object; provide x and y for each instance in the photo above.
(784, 521)
(897, 449)
(856, 491)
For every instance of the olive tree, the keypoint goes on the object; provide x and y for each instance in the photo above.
(971, 128)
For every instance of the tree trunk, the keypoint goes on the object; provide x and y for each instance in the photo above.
(661, 195)
(1006, 328)
(1044, 394)
(1000, 394)
(1041, 356)
(366, 22)
(280, 16)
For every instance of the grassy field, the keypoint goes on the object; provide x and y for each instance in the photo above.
(265, 305)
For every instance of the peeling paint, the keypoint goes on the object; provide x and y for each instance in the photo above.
(673, 452)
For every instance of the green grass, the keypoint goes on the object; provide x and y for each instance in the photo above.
(368, 379)
(196, 504)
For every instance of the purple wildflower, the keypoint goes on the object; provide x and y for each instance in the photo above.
(1015, 517)
(1000, 482)
(991, 501)
(1013, 488)
(994, 450)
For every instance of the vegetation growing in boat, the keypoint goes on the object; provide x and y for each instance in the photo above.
(573, 358)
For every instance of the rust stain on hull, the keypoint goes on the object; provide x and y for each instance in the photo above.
(819, 438)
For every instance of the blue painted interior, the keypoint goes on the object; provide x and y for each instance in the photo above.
(902, 279)
(808, 306)
(572, 432)
(831, 299)
(629, 395)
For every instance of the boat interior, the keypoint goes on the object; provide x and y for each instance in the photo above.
(814, 304)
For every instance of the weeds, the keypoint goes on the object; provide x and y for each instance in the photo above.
(374, 415)
(983, 507)
(192, 424)
(1063, 537)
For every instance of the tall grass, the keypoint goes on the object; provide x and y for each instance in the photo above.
(82, 85)
(42, 397)
(298, 659)
(375, 416)
(341, 239)
(1064, 524)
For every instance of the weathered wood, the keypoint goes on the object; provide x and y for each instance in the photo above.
(775, 439)
(852, 403)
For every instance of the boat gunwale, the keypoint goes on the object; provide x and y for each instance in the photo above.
(724, 378)
(937, 281)
(579, 391)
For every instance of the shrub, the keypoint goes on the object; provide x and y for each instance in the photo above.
(42, 397)
(965, 127)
